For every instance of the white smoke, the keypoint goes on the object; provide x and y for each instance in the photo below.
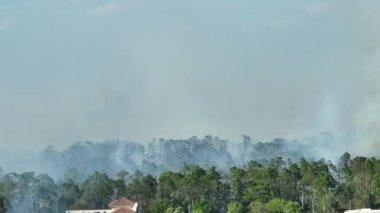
(367, 119)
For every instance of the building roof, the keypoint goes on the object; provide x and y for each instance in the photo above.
(121, 202)
(123, 210)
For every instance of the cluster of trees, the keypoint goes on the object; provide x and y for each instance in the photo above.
(163, 155)
(278, 186)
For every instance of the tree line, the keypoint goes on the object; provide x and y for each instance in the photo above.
(162, 155)
(278, 186)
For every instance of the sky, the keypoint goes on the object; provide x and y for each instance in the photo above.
(76, 70)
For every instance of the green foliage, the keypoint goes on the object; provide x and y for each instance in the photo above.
(258, 190)
(97, 191)
(159, 205)
(175, 210)
(257, 207)
(201, 206)
(45, 192)
(276, 205)
(238, 183)
(169, 185)
(292, 207)
(275, 187)
(142, 189)
(235, 207)
(68, 193)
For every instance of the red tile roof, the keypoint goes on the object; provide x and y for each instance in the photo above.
(121, 202)
(123, 210)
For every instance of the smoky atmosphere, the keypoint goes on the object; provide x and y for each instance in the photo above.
(202, 106)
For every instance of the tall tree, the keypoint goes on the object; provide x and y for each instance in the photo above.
(142, 189)
(68, 193)
(96, 193)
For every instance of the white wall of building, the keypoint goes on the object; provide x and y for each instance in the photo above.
(362, 211)
(90, 211)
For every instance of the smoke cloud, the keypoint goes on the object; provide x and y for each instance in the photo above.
(367, 118)
(148, 70)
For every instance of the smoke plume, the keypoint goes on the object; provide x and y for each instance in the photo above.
(367, 119)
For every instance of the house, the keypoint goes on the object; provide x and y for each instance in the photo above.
(122, 205)
(362, 211)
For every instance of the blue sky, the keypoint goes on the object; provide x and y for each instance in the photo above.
(73, 70)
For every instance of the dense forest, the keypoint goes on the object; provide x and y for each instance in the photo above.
(277, 186)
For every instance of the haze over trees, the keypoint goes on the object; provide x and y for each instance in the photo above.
(162, 155)
(278, 186)
(204, 175)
